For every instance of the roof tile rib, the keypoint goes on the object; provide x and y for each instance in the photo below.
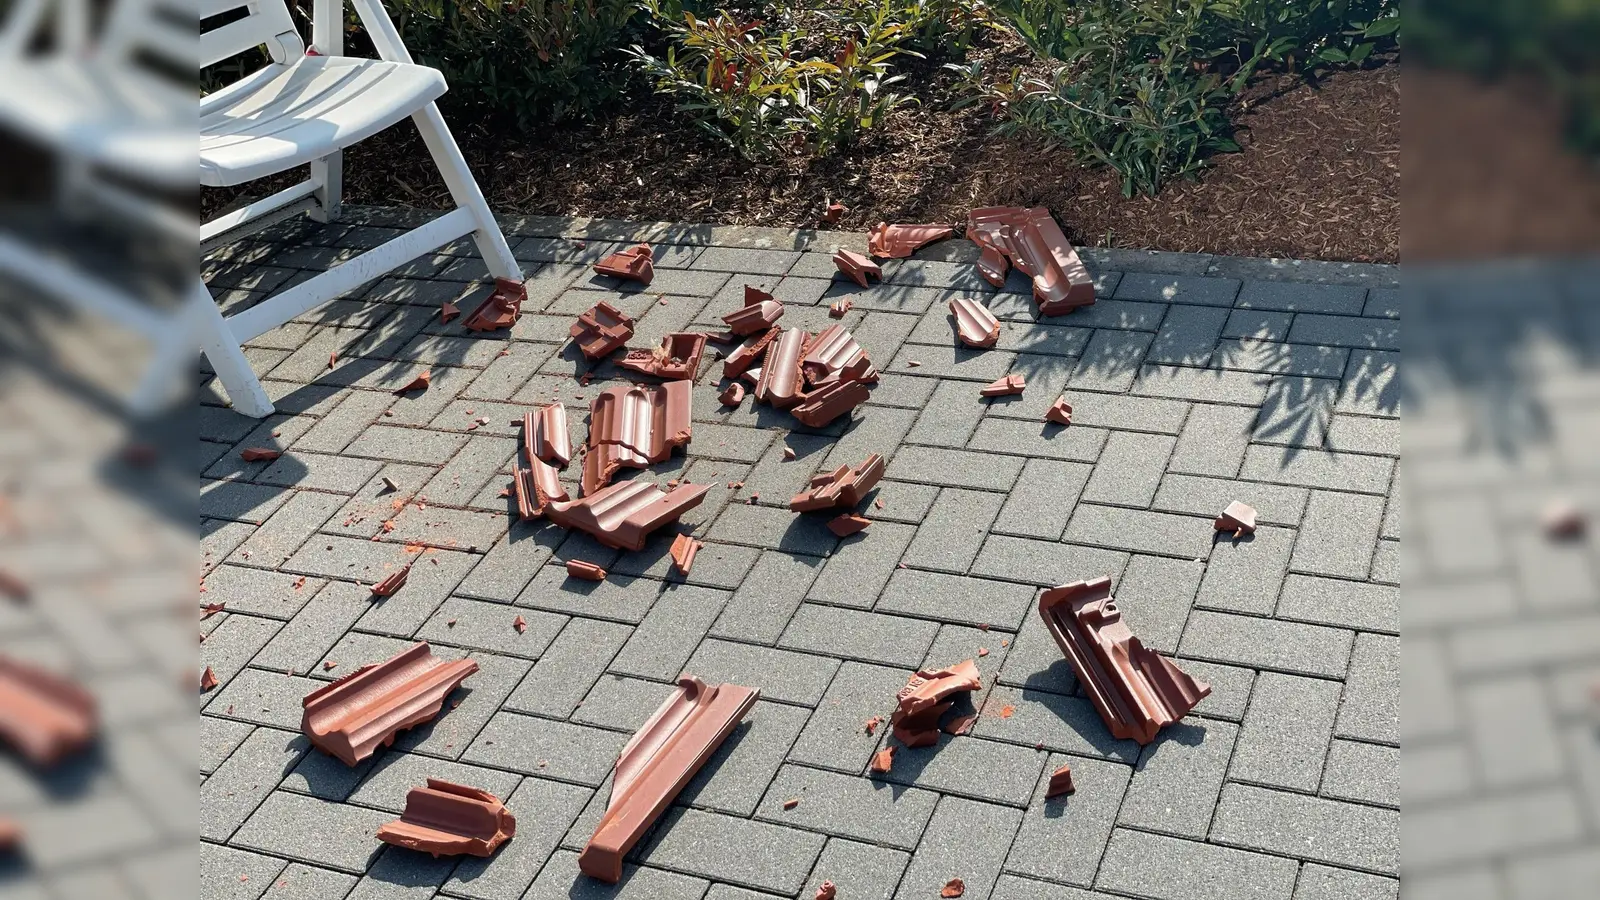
(601, 330)
(353, 716)
(624, 514)
(760, 312)
(43, 716)
(741, 360)
(830, 401)
(976, 326)
(684, 549)
(536, 487)
(835, 353)
(545, 435)
(1014, 383)
(447, 819)
(781, 378)
(842, 488)
(635, 425)
(1031, 240)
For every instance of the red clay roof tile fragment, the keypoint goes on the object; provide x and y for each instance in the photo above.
(842, 488)
(900, 241)
(208, 680)
(1239, 518)
(827, 891)
(259, 454)
(833, 212)
(393, 582)
(1012, 384)
(838, 308)
(976, 326)
(959, 725)
(760, 312)
(352, 717)
(585, 571)
(657, 762)
(741, 360)
(536, 487)
(601, 330)
(834, 399)
(1031, 239)
(923, 700)
(623, 515)
(1060, 783)
(848, 524)
(448, 312)
(1060, 412)
(883, 760)
(732, 395)
(501, 309)
(1136, 690)
(43, 716)
(857, 267)
(636, 263)
(684, 549)
(835, 353)
(545, 435)
(637, 426)
(781, 379)
(447, 819)
(955, 887)
(1562, 520)
(211, 609)
(421, 382)
(678, 357)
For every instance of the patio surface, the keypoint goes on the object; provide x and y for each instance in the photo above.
(1195, 380)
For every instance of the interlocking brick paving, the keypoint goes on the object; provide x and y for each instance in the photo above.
(1195, 380)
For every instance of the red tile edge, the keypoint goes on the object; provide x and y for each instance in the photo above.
(684, 549)
(975, 325)
(623, 515)
(585, 571)
(501, 309)
(636, 263)
(1060, 783)
(1008, 386)
(447, 819)
(923, 700)
(545, 435)
(46, 717)
(900, 241)
(840, 489)
(857, 267)
(350, 718)
(1060, 412)
(678, 356)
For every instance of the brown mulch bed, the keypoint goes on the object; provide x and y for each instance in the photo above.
(1318, 177)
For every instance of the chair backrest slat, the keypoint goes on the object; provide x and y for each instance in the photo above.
(265, 22)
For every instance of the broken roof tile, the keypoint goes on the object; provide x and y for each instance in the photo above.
(350, 718)
(421, 382)
(500, 309)
(624, 514)
(741, 360)
(585, 571)
(601, 330)
(732, 395)
(208, 680)
(536, 487)
(781, 379)
(838, 308)
(636, 263)
(959, 725)
(842, 488)
(1136, 690)
(1562, 520)
(899, 241)
(656, 764)
(833, 212)
(760, 312)
(1031, 239)
(1003, 387)
(448, 312)
(44, 716)
(1239, 518)
(1060, 783)
(393, 582)
(635, 425)
(848, 524)
(857, 267)
(684, 549)
(1060, 412)
(545, 435)
(259, 454)
(976, 326)
(830, 401)
(882, 761)
(955, 887)
(925, 698)
(447, 819)
(835, 353)
(678, 357)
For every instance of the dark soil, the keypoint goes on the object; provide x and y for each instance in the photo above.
(1318, 176)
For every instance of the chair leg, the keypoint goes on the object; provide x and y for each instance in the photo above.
(464, 189)
(227, 357)
(328, 173)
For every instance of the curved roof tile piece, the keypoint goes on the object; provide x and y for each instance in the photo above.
(1031, 240)
(657, 762)
(1060, 412)
(586, 571)
(601, 330)
(1015, 383)
(447, 819)
(830, 401)
(741, 360)
(43, 716)
(353, 716)
(898, 241)
(633, 264)
(545, 435)
(760, 311)
(635, 425)
(835, 353)
(678, 356)
(924, 699)
(840, 489)
(781, 379)
(857, 267)
(624, 514)
(1136, 690)
(500, 309)
(684, 549)
(976, 326)
(536, 487)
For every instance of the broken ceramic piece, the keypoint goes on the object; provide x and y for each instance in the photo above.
(760, 312)
(955, 887)
(842, 488)
(976, 326)
(636, 263)
(259, 454)
(1031, 239)
(545, 435)
(656, 764)
(684, 548)
(1060, 783)
(362, 711)
(447, 819)
(636, 426)
(448, 312)
(1010, 385)
(833, 212)
(391, 583)
(838, 308)
(501, 309)
(744, 358)
(421, 382)
(678, 357)
(836, 398)
(44, 717)
(1136, 690)
(899, 241)
(1238, 518)
(536, 487)
(585, 571)
(924, 699)
(732, 395)
(781, 379)
(857, 267)
(835, 353)
(601, 330)
(624, 514)
(1060, 412)
(882, 761)
(848, 524)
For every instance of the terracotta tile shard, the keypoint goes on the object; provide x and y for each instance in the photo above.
(782, 381)
(826, 891)
(447, 819)
(882, 760)
(208, 680)
(976, 326)
(601, 330)
(352, 717)
(1060, 783)
(678, 357)
(955, 887)
(842, 488)
(447, 312)
(872, 724)
(732, 395)
(211, 609)
(501, 309)
(791, 803)
(760, 312)
(1136, 690)
(1239, 518)
(923, 701)
(333, 359)
(788, 453)
(744, 358)
(586, 571)
(834, 353)
(838, 308)
(636, 426)
(959, 725)
(1060, 412)
(259, 454)
(637, 263)
(1005, 387)
(1032, 241)
(43, 716)
(657, 762)
(684, 548)
(857, 267)
(545, 435)
(623, 515)
(830, 401)
(833, 212)
(421, 382)
(900, 241)
(846, 525)
(392, 583)
(1563, 521)
(520, 624)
